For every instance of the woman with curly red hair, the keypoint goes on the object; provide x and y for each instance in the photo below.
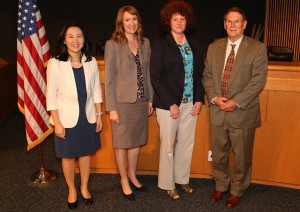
(176, 68)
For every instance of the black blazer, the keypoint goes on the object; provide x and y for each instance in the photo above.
(167, 72)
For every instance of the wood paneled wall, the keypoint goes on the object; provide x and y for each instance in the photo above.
(282, 25)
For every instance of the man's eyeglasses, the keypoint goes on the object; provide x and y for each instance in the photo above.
(236, 22)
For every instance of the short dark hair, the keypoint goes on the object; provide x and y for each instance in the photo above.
(236, 9)
(61, 52)
(177, 7)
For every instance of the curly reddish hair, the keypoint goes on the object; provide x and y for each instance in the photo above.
(177, 7)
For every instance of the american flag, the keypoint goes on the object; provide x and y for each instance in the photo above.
(33, 52)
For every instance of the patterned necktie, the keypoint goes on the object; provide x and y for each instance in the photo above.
(227, 71)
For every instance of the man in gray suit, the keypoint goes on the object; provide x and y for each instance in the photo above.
(235, 73)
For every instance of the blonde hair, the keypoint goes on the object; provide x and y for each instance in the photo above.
(119, 33)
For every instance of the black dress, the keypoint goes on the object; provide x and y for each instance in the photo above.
(82, 139)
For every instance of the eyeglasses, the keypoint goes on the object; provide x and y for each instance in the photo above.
(236, 22)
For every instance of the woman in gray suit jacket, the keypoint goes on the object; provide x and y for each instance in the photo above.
(128, 94)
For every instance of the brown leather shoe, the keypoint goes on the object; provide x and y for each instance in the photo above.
(216, 196)
(232, 201)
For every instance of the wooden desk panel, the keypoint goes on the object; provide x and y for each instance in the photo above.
(277, 141)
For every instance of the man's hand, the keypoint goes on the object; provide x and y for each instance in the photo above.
(230, 105)
(220, 102)
(225, 104)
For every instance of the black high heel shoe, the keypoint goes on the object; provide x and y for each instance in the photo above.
(86, 201)
(73, 205)
(130, 197)
(139, 189)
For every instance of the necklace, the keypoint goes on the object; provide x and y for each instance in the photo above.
(133, 43)
(74, 61)
(180, 40)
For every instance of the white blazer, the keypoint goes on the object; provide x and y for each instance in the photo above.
(62, 92)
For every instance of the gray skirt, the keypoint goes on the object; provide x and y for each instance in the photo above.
(133, 128)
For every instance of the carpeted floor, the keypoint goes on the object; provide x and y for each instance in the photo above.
(18, 194)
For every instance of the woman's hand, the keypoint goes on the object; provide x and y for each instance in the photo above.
(150, 109)
(174, 111)
(114, 116)
(99, 123)
(58, 128)
(60, 131)
(196, 108)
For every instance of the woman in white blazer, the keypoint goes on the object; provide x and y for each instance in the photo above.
(74, 99)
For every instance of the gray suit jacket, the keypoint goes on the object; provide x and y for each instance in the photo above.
(121, 73)
(247, 79)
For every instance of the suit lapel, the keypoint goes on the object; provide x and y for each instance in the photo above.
(87, 73)
(220, 55)
(141, 51)
(69, 77)
(141, 57)
(128, 51)
(240, 55)
(173, 45)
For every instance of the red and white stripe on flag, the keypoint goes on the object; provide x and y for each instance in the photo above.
(33, 52)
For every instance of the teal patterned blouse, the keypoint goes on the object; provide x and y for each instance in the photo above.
(187, 56)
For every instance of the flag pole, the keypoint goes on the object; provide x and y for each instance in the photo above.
(43, 176)
(33, 53)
